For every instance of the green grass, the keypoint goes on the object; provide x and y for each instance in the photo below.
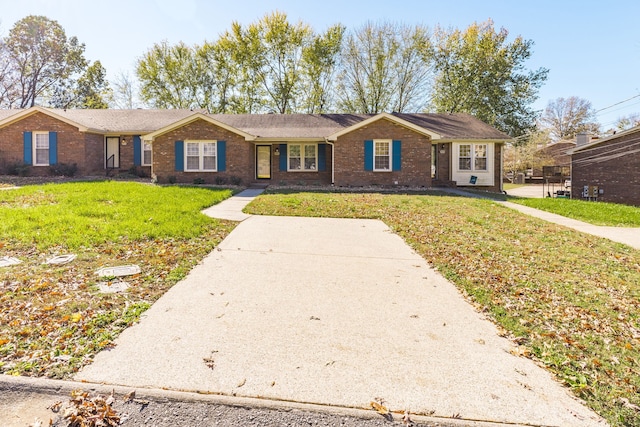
(570, 300)
(597, 213)
(54, 319)
(79, 214)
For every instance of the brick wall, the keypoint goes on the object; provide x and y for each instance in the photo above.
(279, 177)
(618, 178)
(416, 157)
(71, 143)
(239, 155)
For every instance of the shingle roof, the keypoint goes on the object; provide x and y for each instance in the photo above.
(289, 125)
(454, 125)
(125, 121)
(449, 126)
(313, 126)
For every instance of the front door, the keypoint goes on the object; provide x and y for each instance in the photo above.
(112, 150)
(263, 161)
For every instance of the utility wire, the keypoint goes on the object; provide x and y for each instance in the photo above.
(618, 103)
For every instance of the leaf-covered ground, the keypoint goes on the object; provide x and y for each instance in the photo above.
(54, 319)
(570, 300)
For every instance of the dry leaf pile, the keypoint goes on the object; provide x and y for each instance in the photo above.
(87, 410)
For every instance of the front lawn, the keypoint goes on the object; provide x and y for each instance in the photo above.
(54, 319)
(569, 300)
(597, 213)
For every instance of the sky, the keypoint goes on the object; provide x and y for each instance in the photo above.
(591, 47)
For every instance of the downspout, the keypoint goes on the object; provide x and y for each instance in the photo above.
(333, 156)
(154, 177)
(501, 168)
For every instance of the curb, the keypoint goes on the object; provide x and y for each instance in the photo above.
(60, 388)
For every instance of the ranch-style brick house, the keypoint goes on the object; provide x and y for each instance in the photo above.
(607, 169)
(185, 146)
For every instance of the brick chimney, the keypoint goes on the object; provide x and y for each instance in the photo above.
(583, 138)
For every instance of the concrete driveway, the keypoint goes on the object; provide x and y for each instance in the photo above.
(335, 312)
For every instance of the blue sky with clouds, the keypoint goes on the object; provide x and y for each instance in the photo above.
(592, 48)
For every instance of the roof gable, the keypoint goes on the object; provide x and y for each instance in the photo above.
(21, 114)
(384, 116)
(192, 118)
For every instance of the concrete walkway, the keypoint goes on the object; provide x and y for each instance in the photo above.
(231, 208)
(335, 312)
(627, 235)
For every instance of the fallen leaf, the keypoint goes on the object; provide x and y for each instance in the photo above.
(129, 396)
(625, 402)
(381, 409)
(76, 317)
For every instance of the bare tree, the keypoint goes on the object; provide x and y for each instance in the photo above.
(124, 92)
(385, 67)
(566, 117)
(628, 121)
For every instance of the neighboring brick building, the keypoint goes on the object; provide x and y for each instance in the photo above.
(349, 150)
(608, 169)
(557, 155)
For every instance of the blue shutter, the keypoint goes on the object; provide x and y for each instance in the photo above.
(137, 150)
(179, 153)
(396, 161)
(322, 157)
(368, 155)
(222, 156)
(283, 157)
(53, 148)
(28, 149)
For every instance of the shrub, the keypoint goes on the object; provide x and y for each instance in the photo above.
(18, 169)
(172, 179)
(220, 180)
(198, 181)
(63, 169)
(236, 180)
(138, 171)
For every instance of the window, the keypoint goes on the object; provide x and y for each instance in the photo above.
(382, 155)
(41, 149)
(472, 157)
(480, 157)
(146, 154)
(303, 157)
(201, 156)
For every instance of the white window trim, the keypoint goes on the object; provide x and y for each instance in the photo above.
(150, 150)
(200, 155)
(302, 169)
(390, 143)
(35, 145)
(473, 158)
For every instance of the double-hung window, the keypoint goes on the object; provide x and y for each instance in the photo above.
(472, 157)
(41, 149)
(382, 155)
(480, 157)
(200, 156)
(146, 154)
(303, 157)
